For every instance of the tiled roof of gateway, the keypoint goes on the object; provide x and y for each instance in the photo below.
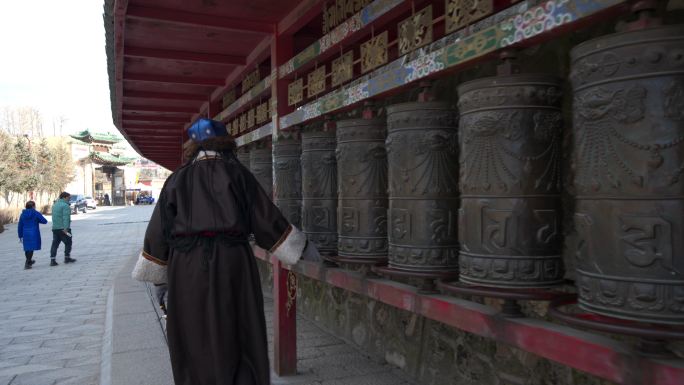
(110, 159)
(88, 136)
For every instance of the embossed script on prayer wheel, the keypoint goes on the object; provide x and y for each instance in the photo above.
(510, 214)
(319, 190)
(422, 154)
(287, 195)
(362, 186)
(243, 157)
(628, 163)
(261, 167)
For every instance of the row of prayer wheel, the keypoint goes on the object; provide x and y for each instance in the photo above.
(478, 192)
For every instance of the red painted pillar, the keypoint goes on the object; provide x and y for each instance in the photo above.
(284, 282)
(285, 321)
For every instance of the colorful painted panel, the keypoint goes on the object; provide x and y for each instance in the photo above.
(416, 31)
(259, 133)
(316, 82)
(460, 13)
(374, 52)
(350, 26)
(295, 92)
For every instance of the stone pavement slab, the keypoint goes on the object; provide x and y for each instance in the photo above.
(52, 319)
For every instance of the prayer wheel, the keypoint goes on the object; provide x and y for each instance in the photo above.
(262, 168)
(243, 157)
(319, 189)
(510, 178)
(362, 190)
(287, 152)
(628, 165)
(422, 155)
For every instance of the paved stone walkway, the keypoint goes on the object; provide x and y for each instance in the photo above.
(89, 323)
(52, 319)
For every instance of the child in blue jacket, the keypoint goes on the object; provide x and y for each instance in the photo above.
(29, 233)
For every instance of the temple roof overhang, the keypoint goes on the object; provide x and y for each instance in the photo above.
(168, 60)
(107, 159)
(88, 136)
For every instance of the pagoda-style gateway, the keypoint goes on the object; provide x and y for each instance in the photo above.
(497, 185)
(101, 166)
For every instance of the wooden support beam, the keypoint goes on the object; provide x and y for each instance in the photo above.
(164, 95)
(197, 19)
(144, 118)
(175, 79)
(132, 107)
(198, 57)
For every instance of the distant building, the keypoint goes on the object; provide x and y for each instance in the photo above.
(99, 168)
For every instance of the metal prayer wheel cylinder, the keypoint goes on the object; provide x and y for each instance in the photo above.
(243, 157)
(628, 164)
(261, 166)
(422, 155)
(362, 189)
(319, 190)
(510, 157)
(287, 194)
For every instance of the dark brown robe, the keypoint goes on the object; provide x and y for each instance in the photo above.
(216, 328)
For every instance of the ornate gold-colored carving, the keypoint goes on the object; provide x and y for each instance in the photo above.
(339, 11)
(228, 98)
(250, 80)
(342, 69)
(295, 92)
(374, 52)
(460, 13)
(262, 113)
(243, 122)
(316, 83)
(251, 117)
(415, 31)
(291, 286)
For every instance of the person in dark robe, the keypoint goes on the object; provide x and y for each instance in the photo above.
(197, 241)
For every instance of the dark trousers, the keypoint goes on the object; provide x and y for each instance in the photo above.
(58, 236)
(29, 255)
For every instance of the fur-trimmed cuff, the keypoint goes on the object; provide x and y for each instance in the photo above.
(290, 246)
(147, 270)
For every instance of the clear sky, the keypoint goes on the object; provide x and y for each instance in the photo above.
(52, 57)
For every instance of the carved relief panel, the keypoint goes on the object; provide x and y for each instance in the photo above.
(510, 181)
(422, 153)
(342, 69)
(295, 92)
(316, 82)
(460, 13)
(319, 189)
(416, 31)
(627, 162)
(374, 52)
(362, 186)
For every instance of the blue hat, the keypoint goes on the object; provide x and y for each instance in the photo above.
(204, 129)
